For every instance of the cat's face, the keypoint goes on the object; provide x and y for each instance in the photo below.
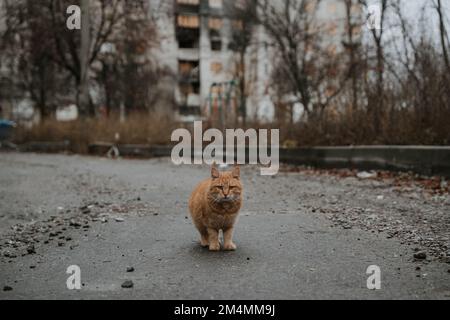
(226, 189)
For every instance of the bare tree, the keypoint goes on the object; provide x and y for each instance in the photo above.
(310, 70)
(352, 45)
(243, 14)
(443, 34)
(376, 102)
(48, 56)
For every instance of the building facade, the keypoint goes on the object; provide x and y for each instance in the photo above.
(195, 44)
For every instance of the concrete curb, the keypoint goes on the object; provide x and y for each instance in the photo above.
(129, 150)
(423, 160)
(419, 159)
(432, 160)
(45, 146)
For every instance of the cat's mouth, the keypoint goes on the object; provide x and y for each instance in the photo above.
(225, 201)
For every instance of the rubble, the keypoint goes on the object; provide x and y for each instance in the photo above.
(24, 239)
(411, 208)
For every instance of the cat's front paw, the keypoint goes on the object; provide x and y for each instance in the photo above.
(229, 246)
(204, 243)
(214, 247)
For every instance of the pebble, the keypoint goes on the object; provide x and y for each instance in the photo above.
(119, 219)
(85, 210)
(7, 288)
(130, 269)
(128, 284)
(75, 224)
(421, 255)
(31, 249)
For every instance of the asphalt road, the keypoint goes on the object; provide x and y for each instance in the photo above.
(108, 215)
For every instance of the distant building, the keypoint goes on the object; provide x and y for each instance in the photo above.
(195, 37)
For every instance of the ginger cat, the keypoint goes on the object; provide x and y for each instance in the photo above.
(215, 205)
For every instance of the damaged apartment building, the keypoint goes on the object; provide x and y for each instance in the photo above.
(196, 45)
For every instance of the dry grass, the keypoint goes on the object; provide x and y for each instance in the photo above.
(137, 129)
(397, 128)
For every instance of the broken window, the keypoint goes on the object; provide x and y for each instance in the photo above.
(188, 38)
(216, 40)
(215, 25)
(188, 32)
(188, 21)
(189, 83)
(189, 70)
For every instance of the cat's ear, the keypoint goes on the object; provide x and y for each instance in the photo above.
(236, 171)
(214, 171)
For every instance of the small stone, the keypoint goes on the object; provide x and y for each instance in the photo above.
(85, 210)
(7, 288)
(61, 244)
(130, 269)
(128, 284)
(119, 219)
(367, 175)
(75, 224)
(421, 255)
(418, 268)
(31, 249)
